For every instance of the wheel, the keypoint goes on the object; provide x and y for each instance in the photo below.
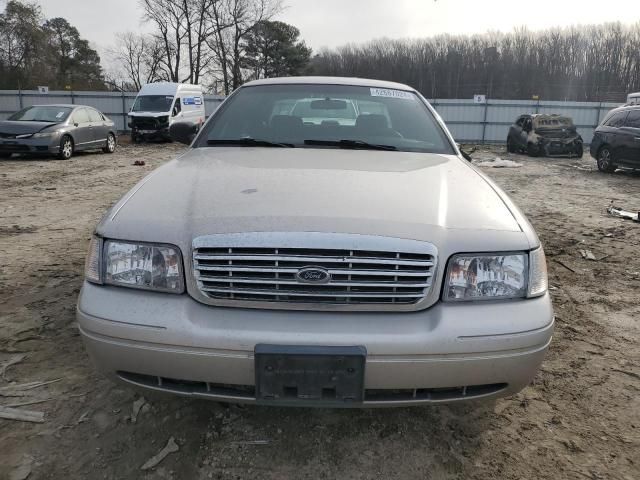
(135, 138)
(579, 150)
(66, 148)
(533, 150)
(511, 148)
(110, 146)
(605, 160)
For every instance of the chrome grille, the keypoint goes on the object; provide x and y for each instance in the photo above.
(356, 276)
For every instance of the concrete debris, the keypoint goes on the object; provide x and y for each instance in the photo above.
(498, 163)
(139, 163)
(12, 361)
(21, 415)
(171, 447)
(618, 212)
(137, 406)
(588, 255)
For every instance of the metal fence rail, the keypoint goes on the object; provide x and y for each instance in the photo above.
(489, 122)
(468, 121)
(115, 105)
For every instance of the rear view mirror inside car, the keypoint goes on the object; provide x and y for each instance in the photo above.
(328, 104)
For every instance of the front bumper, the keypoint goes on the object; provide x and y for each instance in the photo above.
(448, 352)
(50, 145)
(552, 146)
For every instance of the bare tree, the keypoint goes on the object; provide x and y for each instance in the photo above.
(230, 22)
(139, 58)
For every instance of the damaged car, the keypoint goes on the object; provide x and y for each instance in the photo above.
(545, 135)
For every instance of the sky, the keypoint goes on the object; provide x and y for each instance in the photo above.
(329, 23)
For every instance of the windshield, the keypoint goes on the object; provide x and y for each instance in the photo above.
(153, 103)
(42, 114)
(327, 116)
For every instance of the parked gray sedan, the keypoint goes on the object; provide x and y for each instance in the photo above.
(56, 129)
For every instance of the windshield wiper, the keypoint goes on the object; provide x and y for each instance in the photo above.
(250, 142)
(355, 144)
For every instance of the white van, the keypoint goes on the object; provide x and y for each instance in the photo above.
(158, 105)
(633, 98)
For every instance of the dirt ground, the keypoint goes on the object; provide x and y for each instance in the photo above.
(579, 419)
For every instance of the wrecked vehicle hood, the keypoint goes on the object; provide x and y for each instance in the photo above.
(397, 194)
(11, 128)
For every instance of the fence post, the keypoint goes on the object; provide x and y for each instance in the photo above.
(538, 105)
(484, 120)
(124, 113)
(598, 109)
(73, 98)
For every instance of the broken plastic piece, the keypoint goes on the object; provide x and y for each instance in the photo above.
(618, 212)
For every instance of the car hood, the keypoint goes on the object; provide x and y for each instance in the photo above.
(23, 128)
(230, 190)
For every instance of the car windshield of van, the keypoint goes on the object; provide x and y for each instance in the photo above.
(326, 116)
(153, 103)
(42, 114)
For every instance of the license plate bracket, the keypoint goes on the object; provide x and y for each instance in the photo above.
(306, 375)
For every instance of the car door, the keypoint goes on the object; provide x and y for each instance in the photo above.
(523, 137)
(516, 131)
(630, 137)
(100, 128)
(82, 130)
(614, 135)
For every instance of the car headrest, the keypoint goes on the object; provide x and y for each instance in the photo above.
(285, 125)
(372, 122)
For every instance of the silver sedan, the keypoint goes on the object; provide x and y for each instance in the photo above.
(57, 130)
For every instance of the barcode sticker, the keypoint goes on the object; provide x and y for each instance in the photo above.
(387, 92)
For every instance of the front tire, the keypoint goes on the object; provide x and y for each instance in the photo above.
(579, 150)
(66, 148)
(110, 146)
(605, 160)
(511, 148)
(533, 150)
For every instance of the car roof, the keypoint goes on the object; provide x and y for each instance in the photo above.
(66, 105)
(624, 108)
(351, 81)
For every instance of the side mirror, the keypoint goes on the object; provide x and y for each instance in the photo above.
(183, 132)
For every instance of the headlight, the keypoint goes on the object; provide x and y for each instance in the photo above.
(496, 276)
(135, 265)
(24, 135)
(44, 134)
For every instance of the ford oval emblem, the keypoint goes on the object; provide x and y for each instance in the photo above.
(313, 275)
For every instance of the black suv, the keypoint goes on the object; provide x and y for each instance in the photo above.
(616, 142)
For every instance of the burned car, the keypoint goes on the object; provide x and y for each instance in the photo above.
(545, 135)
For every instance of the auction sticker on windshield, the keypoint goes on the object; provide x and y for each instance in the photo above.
(387, 92)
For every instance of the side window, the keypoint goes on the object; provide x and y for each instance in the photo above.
(616, 120)
(81, 116)
(527, 125)
(633, 120)
(94, 115)
(520, 121)
(177, 107)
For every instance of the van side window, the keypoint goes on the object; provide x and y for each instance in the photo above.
(633, 120)
(177, 107)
